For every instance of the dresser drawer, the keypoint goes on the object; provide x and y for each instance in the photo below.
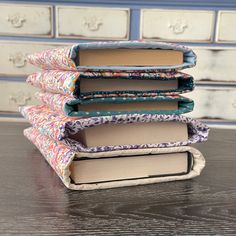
(214, 103)
(13, 56)
(177, 25)
(226, 26)
(15, 94)
(26, 20)
(214, 64)
(92, 23)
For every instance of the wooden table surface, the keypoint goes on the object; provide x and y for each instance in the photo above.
(33, 201)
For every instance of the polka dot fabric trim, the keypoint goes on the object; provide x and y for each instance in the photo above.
(69, 106)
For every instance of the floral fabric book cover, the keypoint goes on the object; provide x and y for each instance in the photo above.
(67, 58)
(60, 157)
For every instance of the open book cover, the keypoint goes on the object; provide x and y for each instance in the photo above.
(60, 158)
(68, 106)
(85, 85)
(135, 131)
(79, 56)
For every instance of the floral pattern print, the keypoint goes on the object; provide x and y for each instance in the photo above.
(64, 58)
(69, 106)
(60, 157)
(60, 127)
(68, 82)
(56, 121)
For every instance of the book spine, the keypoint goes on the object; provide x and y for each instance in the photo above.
(58, 58)
(55, 81)
(57, 154)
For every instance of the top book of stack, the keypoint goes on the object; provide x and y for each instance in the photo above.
(126, 56)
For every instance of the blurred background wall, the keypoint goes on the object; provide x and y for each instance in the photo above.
(209, 27)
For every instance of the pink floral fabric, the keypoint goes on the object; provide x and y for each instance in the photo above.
(57, 57)
(60, 156)
(55, 102)
(64, 58)
(67, 82)
(66, 104)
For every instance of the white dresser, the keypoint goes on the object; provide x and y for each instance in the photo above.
(30, 27)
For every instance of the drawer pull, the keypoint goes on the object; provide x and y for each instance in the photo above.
(178, 27)
(20, 98)
(93, 23)
(234, 104)
(19, 59)
(17, 21)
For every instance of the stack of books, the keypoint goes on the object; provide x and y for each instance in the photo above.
(111, 114)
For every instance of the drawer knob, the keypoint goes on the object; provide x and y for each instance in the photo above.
(234, 104)
(18, 60)
(20, 98)
(17, 21)
(178, 27)
(92, 23)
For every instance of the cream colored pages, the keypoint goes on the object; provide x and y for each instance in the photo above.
(134, 133)
(129, 57)
(108, 85)
(131, 106)
(130, 167)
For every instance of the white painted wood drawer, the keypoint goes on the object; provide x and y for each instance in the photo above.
(92, 23)
(177, 25)
(214, 103)
(15, 94)
(226, 25)
(26, 20)
(214, 64)
(13, 56)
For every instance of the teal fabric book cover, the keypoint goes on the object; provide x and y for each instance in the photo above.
(167, 105)
(68, 58)
(85, 85)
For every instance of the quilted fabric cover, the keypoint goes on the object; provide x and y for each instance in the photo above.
(64, 58)
(68, 83)
(59, 127)
(68, 106)
(60, 156)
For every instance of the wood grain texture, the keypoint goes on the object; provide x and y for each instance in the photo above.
(33, 201)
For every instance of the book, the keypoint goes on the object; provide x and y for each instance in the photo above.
(116, 105)
(128, 57)
(116, 56)
(132, 134)
(85, 85)
(90, 170)
(61, 158)
(142, 135)
(117, 84)
(135, 106)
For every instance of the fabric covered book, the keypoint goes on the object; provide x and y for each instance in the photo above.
(116, 56)
(68, 106)
(79, 170)
(117, 132)
(105, 169)
(85, 85)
